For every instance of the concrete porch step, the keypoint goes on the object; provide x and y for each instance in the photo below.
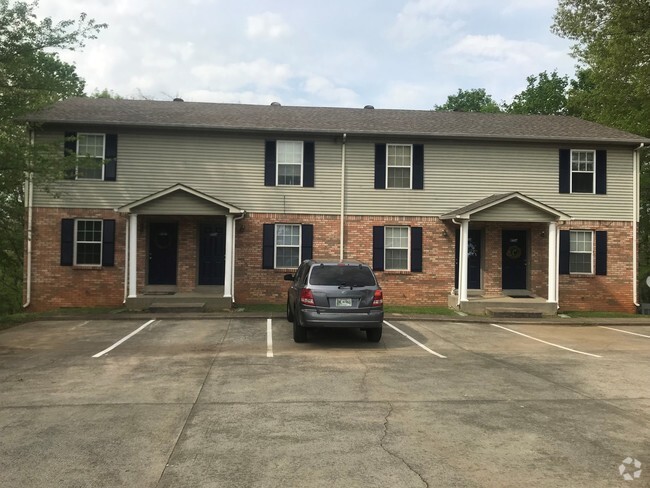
(513, 313)
(176, 307)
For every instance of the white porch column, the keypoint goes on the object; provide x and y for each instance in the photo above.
(230, 248)
(552, 262)
(462, 261)
(133, 255)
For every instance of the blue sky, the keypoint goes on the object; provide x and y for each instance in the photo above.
(391, 54)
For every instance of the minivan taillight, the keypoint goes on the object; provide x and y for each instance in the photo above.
(378, 299)
(306, 297)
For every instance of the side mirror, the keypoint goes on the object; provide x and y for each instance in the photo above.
(288, 277)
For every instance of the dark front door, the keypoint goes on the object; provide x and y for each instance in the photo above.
(473, 257)
(212, 253)
(163, 253)
(515, 259)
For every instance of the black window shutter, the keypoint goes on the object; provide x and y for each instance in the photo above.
(416, 249)
(67, 242)
(565, 171)
(110, 158)
(269, 163)
(380, 166)
(601, 252)
(308, 158)
(70, 148)
(378, 248)
(418, 166)
(601, 172)
(307, 244)
(268, 246)
(108, 243)
(565, 250)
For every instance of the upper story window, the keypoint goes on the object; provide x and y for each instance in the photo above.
(581, 252)
(583, 171)
(399, 161)
(91, 147)
(289, 162)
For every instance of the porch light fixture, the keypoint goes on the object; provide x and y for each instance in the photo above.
(444, 233)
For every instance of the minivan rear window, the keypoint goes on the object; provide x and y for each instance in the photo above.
(342, 275)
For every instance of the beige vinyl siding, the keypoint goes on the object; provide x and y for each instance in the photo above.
(226, 167)
(460, 173)
(180, 203)
(513, 211)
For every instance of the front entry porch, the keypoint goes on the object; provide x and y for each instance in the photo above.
(529, 306)
(168, 299)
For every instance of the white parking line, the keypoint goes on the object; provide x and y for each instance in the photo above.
(269, 338)
(624, 331)
(545, 342)
(123, 339)
(416, 342)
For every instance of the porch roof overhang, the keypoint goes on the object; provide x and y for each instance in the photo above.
(514, 207)
(205, 203)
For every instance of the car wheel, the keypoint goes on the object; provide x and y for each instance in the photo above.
(299, 332)
(289, 313)
(374, 335)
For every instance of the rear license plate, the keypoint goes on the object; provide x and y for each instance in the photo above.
(344, 302)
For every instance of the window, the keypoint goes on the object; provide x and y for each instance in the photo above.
(583, 174)
(90, 147)
(289, 163)
(398, 165)
(396, 248)
(287, 245)
(88, 242)
(581, 250)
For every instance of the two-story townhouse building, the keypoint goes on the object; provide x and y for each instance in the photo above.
(221, 200)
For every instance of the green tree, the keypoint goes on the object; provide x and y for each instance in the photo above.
(612, 43)
(544, 95)
(472, 100)
(31, 76)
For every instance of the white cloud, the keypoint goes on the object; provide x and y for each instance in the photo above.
(324, 89)
(406, 95)
(423, 19)
(261, 73)
(266, 26)
(217, 96)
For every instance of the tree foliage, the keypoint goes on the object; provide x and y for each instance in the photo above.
(31, 76)
(544, 95)
(473, 100)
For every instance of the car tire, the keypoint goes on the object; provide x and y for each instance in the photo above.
(299, 332)
(289, 312)
(374, 335)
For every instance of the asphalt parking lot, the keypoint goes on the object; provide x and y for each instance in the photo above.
(236, 403)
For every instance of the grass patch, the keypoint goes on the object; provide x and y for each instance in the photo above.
(7, 321)
(608, 315)
(418, 310)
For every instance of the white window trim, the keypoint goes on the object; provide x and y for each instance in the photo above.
(593, 264)
(79, 134)
(278, 163)
(76, 242)
(275, 246)
(410, 169)
(593, 184)
(408, 248)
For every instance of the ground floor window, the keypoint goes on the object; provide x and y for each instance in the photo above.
(581, 252)
(396, 248)
(88, 242)
(287, 245)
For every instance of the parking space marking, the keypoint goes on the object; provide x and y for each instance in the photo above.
(123, 339)
(269, 338)
(625, 331)
(414, 341)
(545, 342)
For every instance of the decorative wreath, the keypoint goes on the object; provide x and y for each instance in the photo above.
(162, 240)
(514, 252)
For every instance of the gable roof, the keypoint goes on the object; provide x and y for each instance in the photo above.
(361, 121)
(467, 211)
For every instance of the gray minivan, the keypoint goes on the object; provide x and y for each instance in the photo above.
(335, 294)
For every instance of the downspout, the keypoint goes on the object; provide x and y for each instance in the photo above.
(126, 262)
(342, 230)
(635, 223)
(232, 263)
(29, 189)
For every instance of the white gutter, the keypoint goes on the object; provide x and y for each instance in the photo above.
(29, 189)
(635, 222)
(342, 230)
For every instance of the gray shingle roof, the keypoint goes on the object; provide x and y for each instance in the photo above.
(424, 123)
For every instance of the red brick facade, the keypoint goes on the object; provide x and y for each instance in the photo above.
(55, 286)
